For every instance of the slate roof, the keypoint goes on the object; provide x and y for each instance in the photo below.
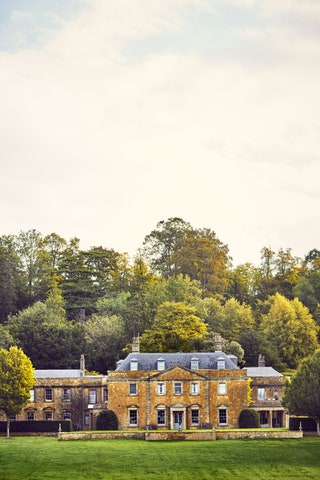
(66, 373)
(207, 361)
(262, 372)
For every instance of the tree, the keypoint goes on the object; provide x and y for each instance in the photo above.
(175, 328)
(290, 329)
(107, 420)
(16, 381)
(301, 395)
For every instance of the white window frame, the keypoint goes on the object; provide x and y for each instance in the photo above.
(178, 389)
(161, 411)
(225, 410)
(133, 411)
(161, 388)
(221, 364)
(193, 422)
(194, 364)
(92, 396)
(133, 388)
(222, 388)
(67, 394)
(161, 364)
(194, 388)
(261, 394)
(48, 416)
(134, 365)
(48, 395)
(31, 416)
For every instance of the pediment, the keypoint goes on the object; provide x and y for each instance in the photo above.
(177, 373)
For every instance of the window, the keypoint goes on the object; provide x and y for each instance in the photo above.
(67, 394)
(161, 364)
(105, 395)
(87, 420)
(13, 418)
(31, 416)
(92, 395)
(261, 394)
(194, 388)
(48, 416)
(178, 388)
(195, 416)
(134, 365)
(66, 415)
(223, 416)
(221, 364)
(194, 364)
(222, 388)
(161, 388)
(48, 395)
(133, 389)
(31, 399)
(133, 417)
(161, 417)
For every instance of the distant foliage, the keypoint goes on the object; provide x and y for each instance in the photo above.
(107, 420)
(249, 419)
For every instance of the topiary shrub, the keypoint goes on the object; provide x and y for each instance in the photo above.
(107, 420)
(249, 418)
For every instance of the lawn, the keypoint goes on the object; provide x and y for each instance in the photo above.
(47, 458)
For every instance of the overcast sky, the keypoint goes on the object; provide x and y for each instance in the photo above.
(116, 114)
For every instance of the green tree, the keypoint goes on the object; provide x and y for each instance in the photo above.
(244, 283)
(16, 381)
(301, 395)
(290, 329)
(175, 328)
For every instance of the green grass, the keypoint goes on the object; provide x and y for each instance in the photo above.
(27, 458)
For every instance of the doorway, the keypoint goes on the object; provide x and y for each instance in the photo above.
(178, 419)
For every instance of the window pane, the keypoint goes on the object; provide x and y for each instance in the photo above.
(48, 394)
(261, 394)
(92, 396)
(222, 416)
(195, 388)
(221, 365)
(222, 388)
(133, 388)
(133, 417)
(161, 388)
(133, 365)
(31, 416)
(178, 388)
(195, 417)
(161, 417)
(66, 394)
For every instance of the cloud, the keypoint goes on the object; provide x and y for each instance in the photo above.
(102, 144)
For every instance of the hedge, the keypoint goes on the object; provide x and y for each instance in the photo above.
(307, 424)
(36, 426)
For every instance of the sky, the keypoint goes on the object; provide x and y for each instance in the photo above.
(117, 114)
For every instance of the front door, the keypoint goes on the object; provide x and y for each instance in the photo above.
(178, 419)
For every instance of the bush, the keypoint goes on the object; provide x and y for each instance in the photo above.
(249, 418)
(107, 420)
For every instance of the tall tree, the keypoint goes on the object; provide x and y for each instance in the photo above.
(301, 395)
(16, 381)
(175, 328)
(12, 296)
(290, 329)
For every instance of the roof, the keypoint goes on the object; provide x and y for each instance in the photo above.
(262, 372)
(148, 361)
(66, 373)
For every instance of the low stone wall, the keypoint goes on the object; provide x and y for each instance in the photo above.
(174, 435)
(228, 435)
(100, 435)
(156, 435)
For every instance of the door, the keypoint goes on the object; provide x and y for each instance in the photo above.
(178, 419)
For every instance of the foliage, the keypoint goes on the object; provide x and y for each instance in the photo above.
(107, 420)
(16, 381)
(302, 393)
(249, 418)
(174, 329)
(290, 329)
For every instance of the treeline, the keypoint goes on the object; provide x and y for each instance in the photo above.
(58, 300)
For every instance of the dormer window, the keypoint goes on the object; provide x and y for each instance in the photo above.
(221, 364)
(134, 364)
(161, 364)
(194, 364)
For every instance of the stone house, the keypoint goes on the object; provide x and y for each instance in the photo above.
(67, 394)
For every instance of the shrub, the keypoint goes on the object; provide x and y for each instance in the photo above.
(107, 420)
(249, 418)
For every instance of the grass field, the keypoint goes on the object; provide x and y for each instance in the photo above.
(47, 458)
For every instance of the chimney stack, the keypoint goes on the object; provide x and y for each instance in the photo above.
(135, 348)
(218, 343)
(82, 364)
(261, 361)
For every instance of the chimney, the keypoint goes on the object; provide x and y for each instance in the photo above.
(135, 348)
(218, 343)
(261, 361)
(82, 364)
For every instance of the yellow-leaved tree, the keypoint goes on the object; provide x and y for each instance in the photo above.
(16, 381)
